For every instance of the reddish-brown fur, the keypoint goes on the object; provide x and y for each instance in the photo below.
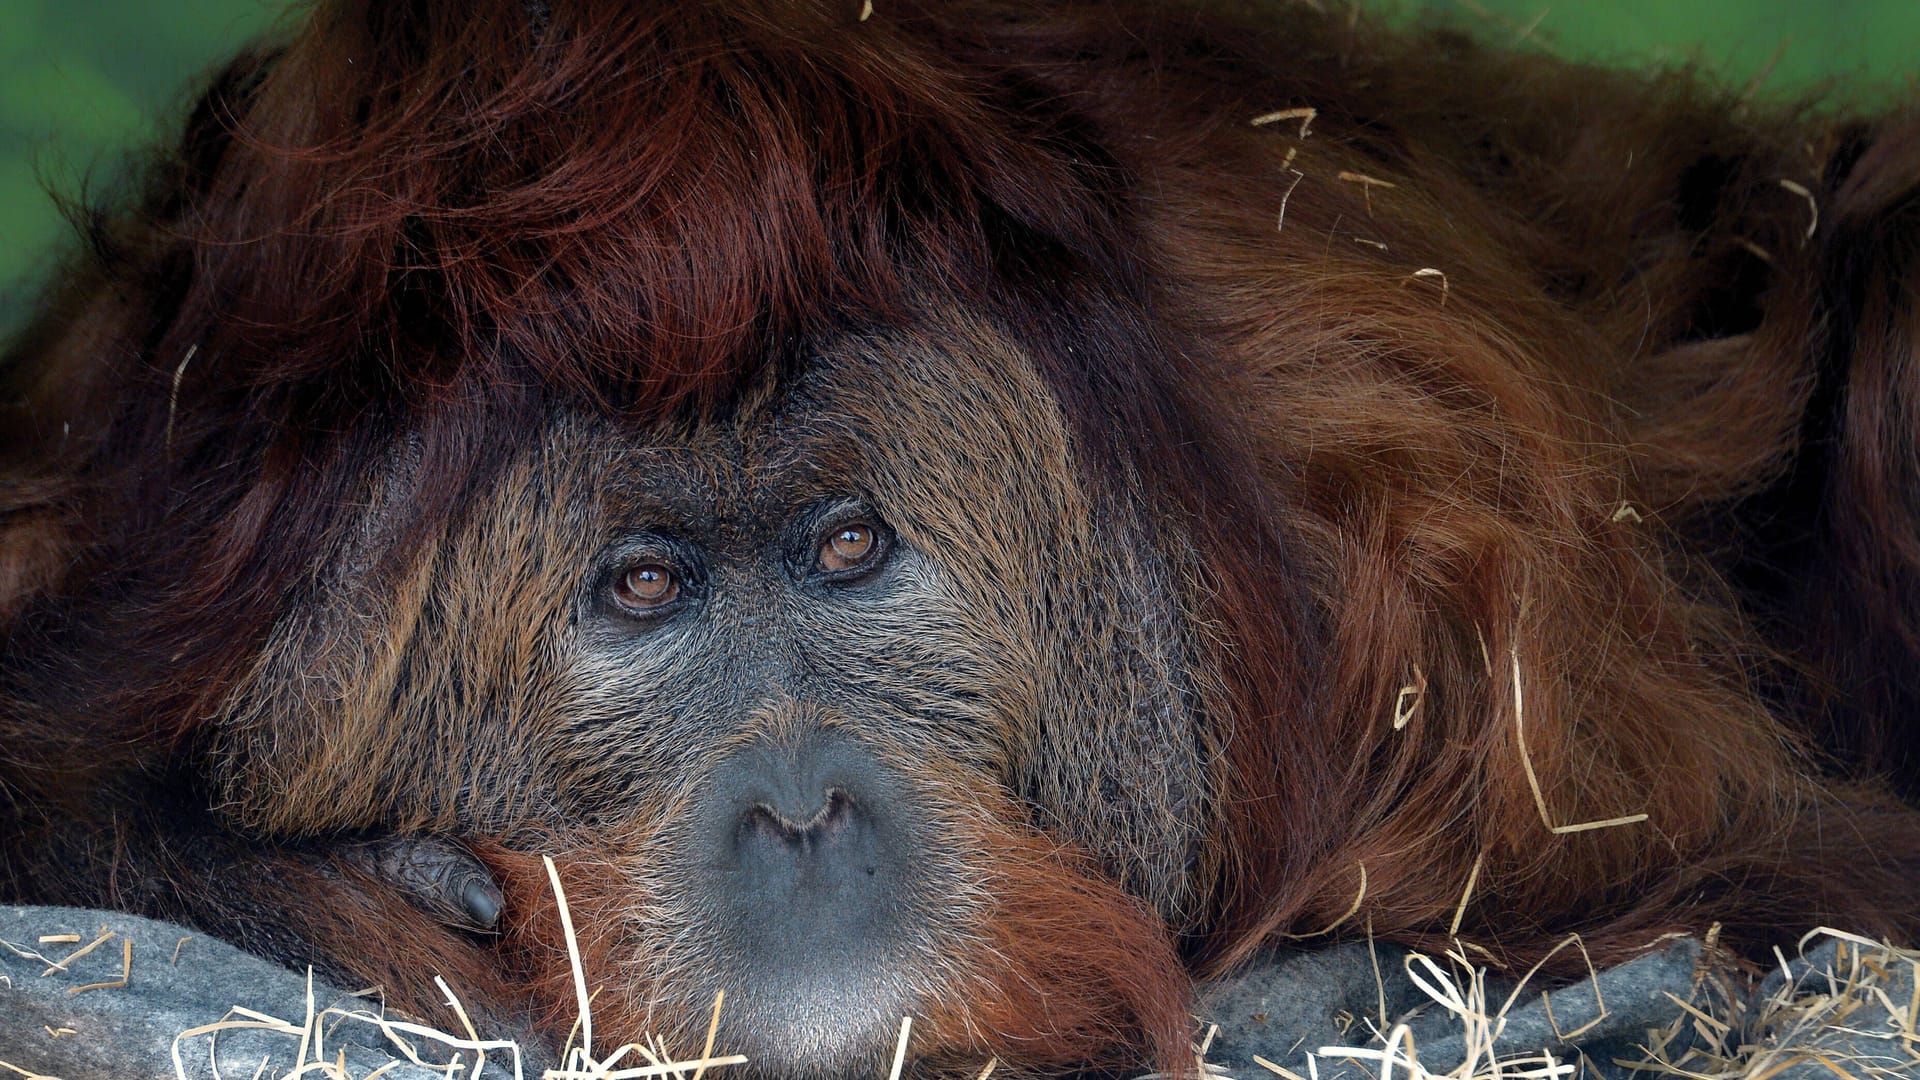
(1504, 380)
(1067, 963)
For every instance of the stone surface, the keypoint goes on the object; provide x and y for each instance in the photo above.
(1292, 1006)
(1830, 1013)
(65, 1023)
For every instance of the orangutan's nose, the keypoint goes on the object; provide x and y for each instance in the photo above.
(805, 833)
(809, 859)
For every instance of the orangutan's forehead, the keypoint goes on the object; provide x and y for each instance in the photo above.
(870, 416)
(761, 463)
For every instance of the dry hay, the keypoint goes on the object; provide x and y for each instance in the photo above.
(1854, 1015)
(630, 1061)
(1461, 989)
(1849, 1009)
(1857, 992)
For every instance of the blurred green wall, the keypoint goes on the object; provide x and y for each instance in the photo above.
(82, 81)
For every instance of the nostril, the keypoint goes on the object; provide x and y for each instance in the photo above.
(764, 824)
(833, 816)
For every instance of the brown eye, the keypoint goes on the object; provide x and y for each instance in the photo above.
(647, 587)
(847, 547)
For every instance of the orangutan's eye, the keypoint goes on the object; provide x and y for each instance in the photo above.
(849, 549)
(647, 588)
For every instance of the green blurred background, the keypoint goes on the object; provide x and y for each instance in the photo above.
(83, 81)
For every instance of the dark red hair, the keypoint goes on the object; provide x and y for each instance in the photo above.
(1457, 408)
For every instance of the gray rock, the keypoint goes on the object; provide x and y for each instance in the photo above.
(81, 1023)
(1839, 1016)
(1290, 1006)
(1830, 1010)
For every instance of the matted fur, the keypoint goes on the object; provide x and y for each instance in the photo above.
(1222, 444)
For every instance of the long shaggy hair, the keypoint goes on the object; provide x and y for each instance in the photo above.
(1534, 452)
